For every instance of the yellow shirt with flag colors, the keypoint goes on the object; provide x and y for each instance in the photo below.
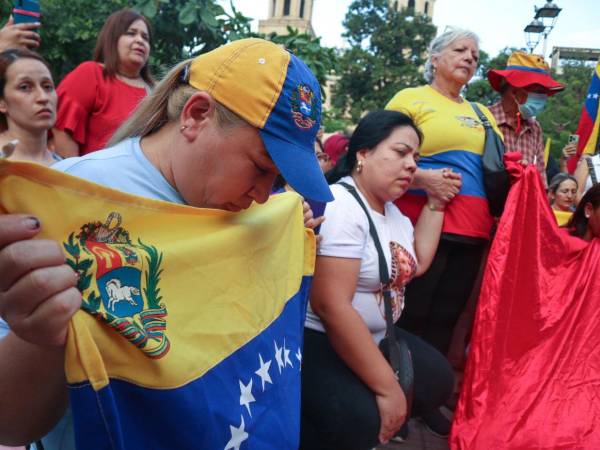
(454, 138)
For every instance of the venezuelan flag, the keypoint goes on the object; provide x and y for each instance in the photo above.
(190, 333)
(588, 122)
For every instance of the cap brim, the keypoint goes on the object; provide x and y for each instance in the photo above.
(299, 166)
(521, 79)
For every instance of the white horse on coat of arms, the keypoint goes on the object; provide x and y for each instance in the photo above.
(118, 293)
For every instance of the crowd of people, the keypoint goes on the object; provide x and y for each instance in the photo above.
(416, 164)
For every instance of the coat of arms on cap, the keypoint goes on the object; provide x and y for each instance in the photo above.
(304, 108)
(119, 283)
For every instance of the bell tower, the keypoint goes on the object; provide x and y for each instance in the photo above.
(424, 7)
(283, 13)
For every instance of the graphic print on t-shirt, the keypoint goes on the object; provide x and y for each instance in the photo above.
(470, 122)
(404, 268)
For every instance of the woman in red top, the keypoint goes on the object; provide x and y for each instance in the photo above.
(98, 96)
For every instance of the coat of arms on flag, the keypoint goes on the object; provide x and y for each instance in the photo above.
(119, 282)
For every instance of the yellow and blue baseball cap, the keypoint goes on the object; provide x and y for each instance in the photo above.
(276, 92)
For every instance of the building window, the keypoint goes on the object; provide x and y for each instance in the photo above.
(426, 11)
(302, 9)
(411, 4)
(396, 6)
(286, 8)
(273, 10)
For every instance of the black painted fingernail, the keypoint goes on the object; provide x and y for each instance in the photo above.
(32, 223)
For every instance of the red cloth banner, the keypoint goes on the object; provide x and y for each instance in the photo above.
(532, 379)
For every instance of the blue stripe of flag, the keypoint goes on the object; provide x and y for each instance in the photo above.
(234, 405)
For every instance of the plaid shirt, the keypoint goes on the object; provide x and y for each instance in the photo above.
(529, 142)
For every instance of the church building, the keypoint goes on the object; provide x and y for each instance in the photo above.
(298, 14)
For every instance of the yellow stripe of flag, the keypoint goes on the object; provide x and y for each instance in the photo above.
(207, 281)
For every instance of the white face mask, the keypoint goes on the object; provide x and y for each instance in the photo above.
(534, 105)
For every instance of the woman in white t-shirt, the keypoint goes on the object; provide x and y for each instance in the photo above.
(350, 396)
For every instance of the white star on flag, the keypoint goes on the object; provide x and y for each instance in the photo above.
(246, 396)
(299, 355)
(286, 355)
(278, 350)
(263, 372)
(595, 95)
(238, 435)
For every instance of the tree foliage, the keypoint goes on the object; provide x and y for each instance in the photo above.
(479, 89)
(321, 60)
(181, 29)
(69, 31)
(561, 115)
(185, 28)
(386, 54)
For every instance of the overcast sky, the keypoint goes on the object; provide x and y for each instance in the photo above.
(499, 23)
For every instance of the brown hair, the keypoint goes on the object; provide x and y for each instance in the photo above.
(7, 57)
(106, 51)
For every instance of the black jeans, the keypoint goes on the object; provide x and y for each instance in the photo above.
(434, 301)
(339, 411)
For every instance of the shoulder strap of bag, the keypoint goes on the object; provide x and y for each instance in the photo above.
(383, 270)
(484, 120)
(490, 133)
(383, 273)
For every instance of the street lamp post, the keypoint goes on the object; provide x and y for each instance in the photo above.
(532, 33)
(542, 24)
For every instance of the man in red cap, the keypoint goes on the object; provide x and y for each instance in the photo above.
(525, 86)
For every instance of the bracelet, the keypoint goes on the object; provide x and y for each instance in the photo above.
(433, 207)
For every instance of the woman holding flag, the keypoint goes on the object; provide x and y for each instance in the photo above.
(206, 137)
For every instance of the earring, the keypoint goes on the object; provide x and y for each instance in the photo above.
(359, 166)
(587, 216)
(182, 127)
